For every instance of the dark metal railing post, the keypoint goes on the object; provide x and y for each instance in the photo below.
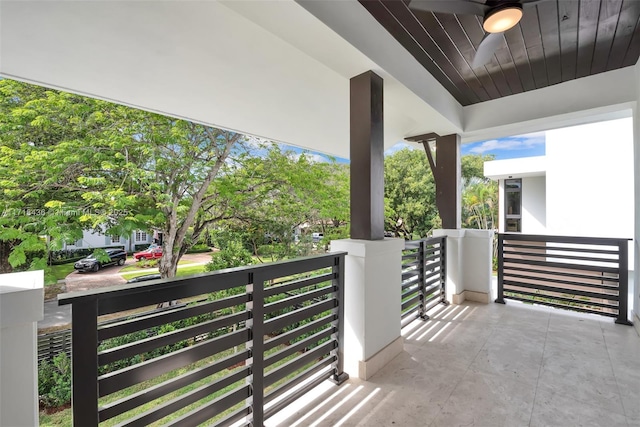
(443, 270)
(623, 278)
(84, 363)
(500, 298)
(256, 323)
(339, 376)
(422, 313)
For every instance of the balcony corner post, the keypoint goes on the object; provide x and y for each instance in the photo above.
(422, 313)
(256, 307)
(623, 277)
(339, 375)
(500, 298)
(84, 363)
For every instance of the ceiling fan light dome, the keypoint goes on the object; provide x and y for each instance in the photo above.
(502, 18)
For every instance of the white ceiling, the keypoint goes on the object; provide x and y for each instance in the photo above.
(274, 69)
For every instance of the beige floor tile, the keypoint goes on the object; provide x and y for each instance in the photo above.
(488, 400)
(553, 409)
(493, 365)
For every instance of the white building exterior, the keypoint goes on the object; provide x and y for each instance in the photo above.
(581, 187)
(97, 239)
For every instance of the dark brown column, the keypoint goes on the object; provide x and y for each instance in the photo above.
(367, 157)
(448, 180)
(445, 165)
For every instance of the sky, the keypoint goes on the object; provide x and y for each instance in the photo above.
(528, 145)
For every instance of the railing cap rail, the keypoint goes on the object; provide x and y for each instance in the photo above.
(565, 239)
(129, 288)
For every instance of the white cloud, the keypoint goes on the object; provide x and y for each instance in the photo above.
(399, 146)
(521, 142)
(310, 156)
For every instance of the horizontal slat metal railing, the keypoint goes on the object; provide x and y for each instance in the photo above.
(423, 277)
(261, 336)
(586, 274)
(52, 344)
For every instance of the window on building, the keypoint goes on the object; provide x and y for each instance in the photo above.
(115, 239)
(513, 205)
(141, 236)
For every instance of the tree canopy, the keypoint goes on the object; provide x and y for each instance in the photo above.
(410, 194)
(71, 163)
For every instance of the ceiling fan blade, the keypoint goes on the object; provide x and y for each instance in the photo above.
(459, 7)
(488, 46)
(531, 3)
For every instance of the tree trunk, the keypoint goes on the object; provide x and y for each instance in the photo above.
(168, 265)
(5, 250)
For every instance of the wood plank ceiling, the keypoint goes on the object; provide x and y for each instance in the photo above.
(556, 41)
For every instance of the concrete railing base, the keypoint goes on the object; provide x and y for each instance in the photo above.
(482, 297)
(369, 367)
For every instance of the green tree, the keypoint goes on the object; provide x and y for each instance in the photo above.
(277, 191)
(472, 165)
(479, 194)
(480, 203)
(46, 148)
(332, 188)
(409, 191)
(81, 163)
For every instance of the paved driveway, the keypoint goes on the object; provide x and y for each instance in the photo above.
(108, 276)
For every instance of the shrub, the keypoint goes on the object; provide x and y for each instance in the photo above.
(198, 249)
(147, 263)
(232, 255)
(54, 381)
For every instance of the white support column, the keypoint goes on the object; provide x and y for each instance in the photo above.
(477, 257)
(21, 306)
(455, 287)
(469, 255)
(372, 304)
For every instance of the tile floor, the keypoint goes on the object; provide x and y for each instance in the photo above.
(492, 365)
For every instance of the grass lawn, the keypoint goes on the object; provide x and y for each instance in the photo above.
(153, 269)
(58, 272)
(185, 271)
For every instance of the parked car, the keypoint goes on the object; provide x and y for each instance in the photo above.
(90, 263)
(144, 278)
(150, 253)
(316, 237)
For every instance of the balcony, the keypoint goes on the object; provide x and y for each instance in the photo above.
(491, 365)
(267, 345)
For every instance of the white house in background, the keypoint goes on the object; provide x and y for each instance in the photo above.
(93, 239)
(581, 187)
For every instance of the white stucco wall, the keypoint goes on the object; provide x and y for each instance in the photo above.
(590, 189)
(534, 205)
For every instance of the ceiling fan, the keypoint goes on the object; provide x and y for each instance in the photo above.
(498, 17)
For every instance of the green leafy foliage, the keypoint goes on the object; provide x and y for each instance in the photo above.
(410, 194)
(233, 254)
(409, 191)
(54, 381)
(278, 192)
(479, 194)
(70, 163)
